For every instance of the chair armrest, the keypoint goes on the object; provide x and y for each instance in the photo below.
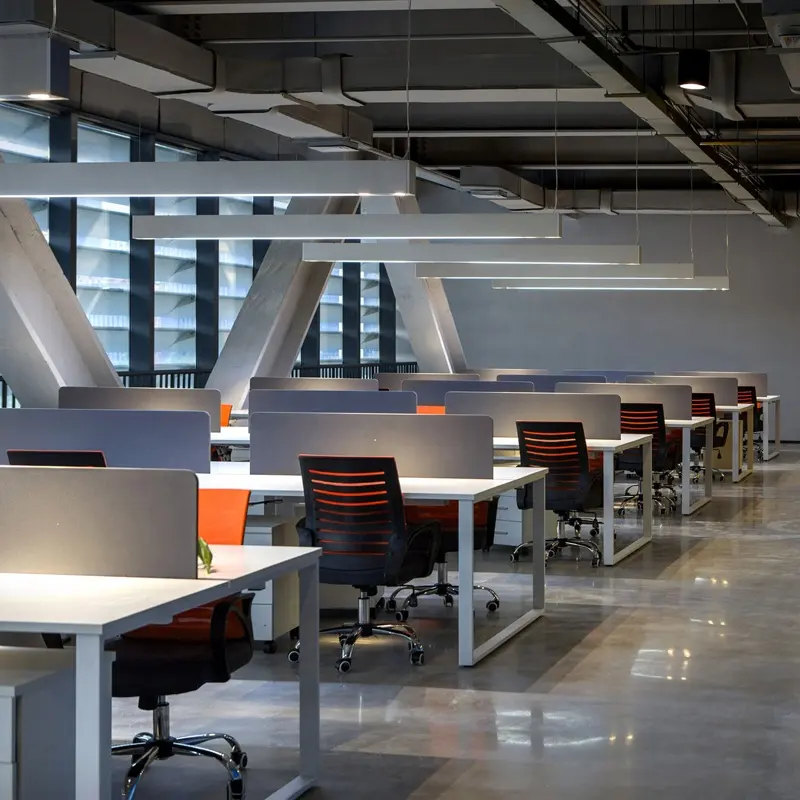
(425, 538)
(227, 611)
(305, 535)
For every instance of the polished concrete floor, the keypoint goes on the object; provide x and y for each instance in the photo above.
(673, 675)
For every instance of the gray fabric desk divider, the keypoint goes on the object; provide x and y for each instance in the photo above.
(423, 445)
(491, 374)
(757, 379)
(334, 402)
(432, 393)
(306, 384)
(144, 439)
(115, 522)
(599, 413)
(725, 390)
(393, 381)
(547, 383)
(611, 375)
(677, 400)
(208, 400)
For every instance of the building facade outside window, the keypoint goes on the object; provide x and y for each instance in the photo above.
(235, 268)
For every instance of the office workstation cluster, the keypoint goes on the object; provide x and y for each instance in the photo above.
(369, 487)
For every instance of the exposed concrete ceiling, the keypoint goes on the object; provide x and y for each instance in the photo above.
(523, 84)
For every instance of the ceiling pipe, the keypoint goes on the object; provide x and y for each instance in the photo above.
(490, 133)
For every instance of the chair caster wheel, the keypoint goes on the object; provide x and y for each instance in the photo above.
(342, 640)
(236, 790)
(270, 648)
(448, 601)
(413, 602)
(417, 658)
(141, 737)
(381, 604)
(492, 605)
(594, 533)
(514, 558)
(294, 656)
(391, 604)
(373, 613)
(621, 512)
(401, 615)
(595, 562)
(344, 665)
(239, 758)
(294, 634)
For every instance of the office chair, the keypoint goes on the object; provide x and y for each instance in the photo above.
(446, 515)
(222, 452)
(355, 513)
(204, 645)
(747, 395)
(648, 418)
(574, 482)
(704, 405)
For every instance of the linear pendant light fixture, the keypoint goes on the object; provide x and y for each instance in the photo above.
(581, 272)
(701, 283)
(445, 253)
(210, 179)
(303, 227)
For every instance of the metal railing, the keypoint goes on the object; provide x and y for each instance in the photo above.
(196, 378)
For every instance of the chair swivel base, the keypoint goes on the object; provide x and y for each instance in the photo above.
(442, 588)
(349, 635)
(159, 746)
(554, 546)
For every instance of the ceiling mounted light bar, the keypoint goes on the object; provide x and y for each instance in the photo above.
(350, 226)
(440, 253)
(568, 272)
(210, 179)
(719, 283)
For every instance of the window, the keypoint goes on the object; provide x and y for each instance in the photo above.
(370, 312)
(25, 137)
(175, 282)
(103, 257)
(404, 351)
(235, 268)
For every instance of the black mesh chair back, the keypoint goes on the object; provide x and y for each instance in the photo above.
(748, 396)
(643, 419)
(704, 405)
(355, 513)
(561, 447)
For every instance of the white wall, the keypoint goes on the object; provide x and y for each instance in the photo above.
(753, 327)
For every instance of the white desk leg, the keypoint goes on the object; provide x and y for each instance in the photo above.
(708, 459)
(686, 471)
(92, 718)
(777, 427)
(309, 675)
(466, 578)
(751, 439)
(736, 447)
(767, 431)
(533, 523)
(647, 490)
(608, 508)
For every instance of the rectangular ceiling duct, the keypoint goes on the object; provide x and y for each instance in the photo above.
(503, 188)
(33, 66)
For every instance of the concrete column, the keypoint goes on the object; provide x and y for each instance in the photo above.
(277, 311)
(422, 303)
(46, 340)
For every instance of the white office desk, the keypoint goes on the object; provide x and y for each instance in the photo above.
(231, 436)
(609, 448)
(740, 472)
(771, 405)
(236, 475)
(96, 609)
(686, 427)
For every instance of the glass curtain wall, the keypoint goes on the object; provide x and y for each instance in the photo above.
(235, 268)
(103, 249)
(370, 312)
(175, 281)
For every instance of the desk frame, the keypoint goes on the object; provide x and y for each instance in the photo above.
(738, 471)
(686, 427)
(771, 405)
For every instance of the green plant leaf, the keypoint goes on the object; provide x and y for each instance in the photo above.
(204, 554)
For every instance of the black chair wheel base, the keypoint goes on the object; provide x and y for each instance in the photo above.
(270, 648)
(492, 605)
(239, 757)
(417, 658)
(514, 558)
(344, 665)
(401, 615)
(236, 790)
(413, 602)
(596, 562)
(448, 601)
(391, 605)
(141, 737)
(381, 604)
(294, 656)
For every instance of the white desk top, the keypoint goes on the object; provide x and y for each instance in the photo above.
(236, 435)
(768, 398)
(740, 408)
(240, 413)
(251, 566)
(236, 475)
(694, 422)
(625, 442)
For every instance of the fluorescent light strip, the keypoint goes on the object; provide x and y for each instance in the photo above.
(440, 253)
(570, 272)
(209, 179)
(697, 284)
(303, 227)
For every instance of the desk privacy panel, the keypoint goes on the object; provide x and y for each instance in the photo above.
(314, 384)
(348, 402)
(119, 398)
(611, 375)
(757, 379)
(725, 390)
(423, 446)
(144, 439)
(677, 400)
(599, 413)
(115, 522)
(432, 393)
(393, 381)
(492, 374)
(548, 383)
